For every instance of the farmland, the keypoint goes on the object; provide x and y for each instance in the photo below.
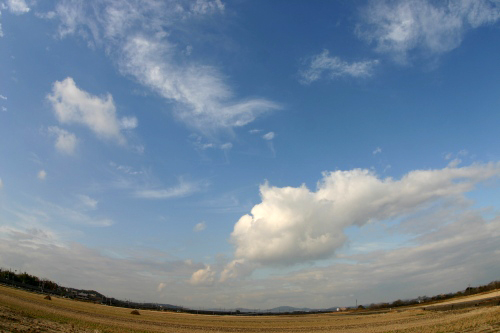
(21, 311)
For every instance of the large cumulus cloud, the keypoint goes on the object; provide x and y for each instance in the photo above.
(295, 225)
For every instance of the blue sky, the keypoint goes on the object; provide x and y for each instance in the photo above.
(251, 153)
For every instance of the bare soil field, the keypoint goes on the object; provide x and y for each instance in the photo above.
(21, 311)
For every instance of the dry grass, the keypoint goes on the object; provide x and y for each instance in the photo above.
(21, 311)
(494, 293)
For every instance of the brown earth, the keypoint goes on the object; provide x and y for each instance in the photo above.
(21, 311)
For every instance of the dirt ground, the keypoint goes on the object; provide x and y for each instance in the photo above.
(21, 311)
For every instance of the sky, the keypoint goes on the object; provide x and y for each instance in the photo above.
(223, 154)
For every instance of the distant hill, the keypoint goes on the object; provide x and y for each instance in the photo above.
(289, 309)
(280, 309)
(165, 306)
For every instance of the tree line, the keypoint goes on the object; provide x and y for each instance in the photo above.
(28, 279)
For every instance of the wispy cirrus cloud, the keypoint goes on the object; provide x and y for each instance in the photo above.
(407, 27)
(40, 213)
(205, 102)
(88, 202)
(77, 215)
(143, 184)
(206, 6)
(183, 189)
(137, 36)
(324, 66)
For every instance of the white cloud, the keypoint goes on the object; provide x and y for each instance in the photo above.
(293, 225)
(200, 226)
(139, 149)
(3, 97)
(4, 109)
(268, 136)
(461, 153)
(66, 142)
(226, 146)
(334, 67)
(199, 143)
(1, 183)
(400, 27)
(377, 150)
(238, 268)
(128, 123)
(445, 259)
(207, 7)
(184, 189)
(75, 106)
(47, 16)
(204, 276)
(454, 163)
(202, 98)
(161, 286)
(255, 131)
(31, 237)
(447, 263)
(70, 14)
(17, 6)
(42, 174)
(128, 170)
(88, 202)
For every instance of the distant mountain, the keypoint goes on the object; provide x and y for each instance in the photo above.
(169, 306)
(282, 309)
(289, 309)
